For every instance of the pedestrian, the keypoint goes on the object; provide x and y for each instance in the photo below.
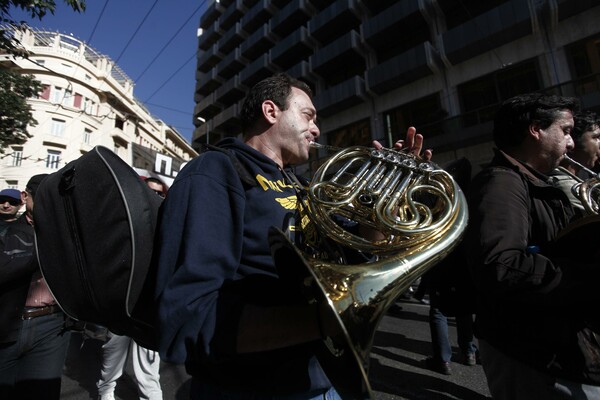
(452, 294)
(33, 337)
(537, 317)
(222, 309)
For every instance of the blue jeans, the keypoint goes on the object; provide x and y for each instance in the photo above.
(438, 325)
(31, 367)
(204, 391)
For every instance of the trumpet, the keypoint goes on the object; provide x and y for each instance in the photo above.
(420, 213)
(587, 191)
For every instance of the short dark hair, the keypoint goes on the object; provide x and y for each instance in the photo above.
(585, 121)
(276, 88)
(517, 113)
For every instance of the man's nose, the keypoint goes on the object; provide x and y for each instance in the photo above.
(570, 143)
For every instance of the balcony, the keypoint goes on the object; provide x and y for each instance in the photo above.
(402, 69)
(347, 50)
(499, 26)
(209, 58)
(261, 41)
(302, 71)
(207, 107)
(227, 120)
(295, 47)
(343, 13)
(569, 8)
(208, 82)
(458, 12)
(377, 6)
(232, 64)
(341, 97)
(232, 38)
(209, 36)
(231, 91)
(258, 15)
(211, 14)
(295, 14)
(234, 13)
(257, 70)
(402, 22)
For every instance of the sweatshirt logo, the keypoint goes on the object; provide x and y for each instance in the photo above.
(289, 203)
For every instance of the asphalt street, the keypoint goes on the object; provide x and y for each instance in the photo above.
(397, 370)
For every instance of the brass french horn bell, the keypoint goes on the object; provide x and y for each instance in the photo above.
(420, 214)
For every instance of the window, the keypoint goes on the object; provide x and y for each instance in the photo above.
(57, 95)
(17, 156)
(67, 99)
(424, 113)
(12, 185)
(481, 97)
(87, 136)
(88, 106)
(119, 123)
(45, 93)
(58, 127)
(53, 159)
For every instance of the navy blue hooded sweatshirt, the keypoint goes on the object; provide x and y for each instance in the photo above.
(214, 258)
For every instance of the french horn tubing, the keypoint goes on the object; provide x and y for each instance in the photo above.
(420, 214)
(587, 191)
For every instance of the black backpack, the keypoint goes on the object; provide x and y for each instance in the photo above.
(94, 222)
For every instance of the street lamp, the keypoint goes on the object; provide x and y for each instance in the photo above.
(207, 127)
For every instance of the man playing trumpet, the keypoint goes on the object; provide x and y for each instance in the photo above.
(582, 159)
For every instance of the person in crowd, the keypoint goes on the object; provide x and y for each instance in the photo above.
(146, 362)
(157, 185)
(222, 309)
(586, 136)
(451, 293)
(33, 338)
(536, 318)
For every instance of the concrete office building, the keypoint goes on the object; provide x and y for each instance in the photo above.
(86, 100)
(379, 66)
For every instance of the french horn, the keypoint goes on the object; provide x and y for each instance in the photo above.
(587, 191)
(417, 213)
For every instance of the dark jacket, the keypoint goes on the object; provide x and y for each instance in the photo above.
(17, 265)
(214, 259)
(531, 303)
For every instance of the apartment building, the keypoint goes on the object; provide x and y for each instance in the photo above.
(86, 100)
(379, 66)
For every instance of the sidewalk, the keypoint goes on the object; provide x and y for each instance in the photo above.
(397, 370)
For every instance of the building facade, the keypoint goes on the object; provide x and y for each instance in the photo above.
(380, 66)
(86, 101)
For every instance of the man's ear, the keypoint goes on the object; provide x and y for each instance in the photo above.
(535, 131)
(270, 111)
(24, 195)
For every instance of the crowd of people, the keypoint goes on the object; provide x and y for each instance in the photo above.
(223, 312)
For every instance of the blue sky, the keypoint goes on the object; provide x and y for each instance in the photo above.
(153, 42)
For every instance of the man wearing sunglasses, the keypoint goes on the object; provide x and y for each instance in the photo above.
(10, 204)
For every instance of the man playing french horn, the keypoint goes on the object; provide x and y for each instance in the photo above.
(222, 309)
(537, 300)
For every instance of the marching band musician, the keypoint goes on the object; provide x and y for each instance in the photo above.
(586, 136)
(537, 317)
(222, 310)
